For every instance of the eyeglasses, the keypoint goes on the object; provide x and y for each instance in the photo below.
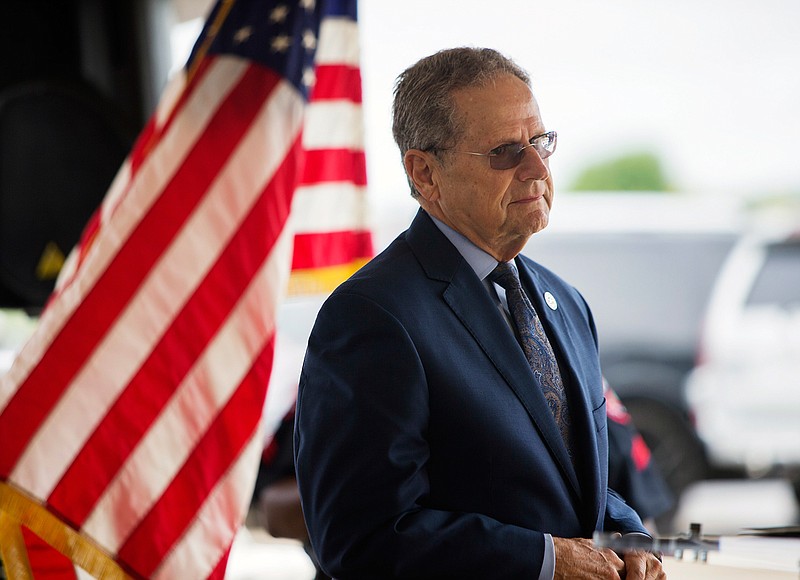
(510, 155)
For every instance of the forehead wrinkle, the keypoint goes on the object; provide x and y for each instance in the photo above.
(487, 115)
(516, 130)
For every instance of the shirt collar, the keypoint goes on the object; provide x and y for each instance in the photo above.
(481, 262)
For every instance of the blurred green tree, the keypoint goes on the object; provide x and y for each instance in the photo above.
(631, 172)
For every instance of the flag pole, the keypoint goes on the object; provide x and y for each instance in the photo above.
(224, 9)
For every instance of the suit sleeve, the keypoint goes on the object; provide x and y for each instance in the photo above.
(361, 451)
(618, 516)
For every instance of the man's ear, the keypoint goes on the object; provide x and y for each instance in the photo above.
(420, 168)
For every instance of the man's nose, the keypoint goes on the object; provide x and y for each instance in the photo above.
(532, 166)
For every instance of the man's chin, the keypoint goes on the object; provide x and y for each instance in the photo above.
(539, 221)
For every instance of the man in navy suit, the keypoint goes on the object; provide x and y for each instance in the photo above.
(425, 446)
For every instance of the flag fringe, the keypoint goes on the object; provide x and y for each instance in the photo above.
(18, 509)
(13, 553)
(321, 280)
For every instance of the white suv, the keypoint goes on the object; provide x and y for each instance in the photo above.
(745, 390)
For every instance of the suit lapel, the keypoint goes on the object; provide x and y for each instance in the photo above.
(560, 336)
(469, 301)
(491, 332)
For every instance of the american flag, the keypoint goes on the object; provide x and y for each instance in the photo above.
(130, 420)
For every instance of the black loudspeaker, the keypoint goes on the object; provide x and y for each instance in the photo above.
(60, 148)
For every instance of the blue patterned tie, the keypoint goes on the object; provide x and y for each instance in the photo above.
(536, 347)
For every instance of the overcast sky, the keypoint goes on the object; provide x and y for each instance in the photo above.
(711, 86)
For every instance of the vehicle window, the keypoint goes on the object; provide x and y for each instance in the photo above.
(778, 282)
(640, 286)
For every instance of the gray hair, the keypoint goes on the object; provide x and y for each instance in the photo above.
(423, 114)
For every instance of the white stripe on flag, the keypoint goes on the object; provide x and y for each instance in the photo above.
(169, 97)
(329, 207)
(334, 125)
(218, 372)
(210, 534)
(162, 294)
(338, 42)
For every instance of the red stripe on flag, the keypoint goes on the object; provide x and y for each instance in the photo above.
(337, 82)
(220, 446)
(326, 165)
(179, 348)
(218, 573)
(46, 561)
(330, 248)
(152, 132)
(70, 349)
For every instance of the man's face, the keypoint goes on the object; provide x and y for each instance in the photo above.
(498, 210)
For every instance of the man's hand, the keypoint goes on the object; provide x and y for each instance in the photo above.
(643, 565)
(580, 558)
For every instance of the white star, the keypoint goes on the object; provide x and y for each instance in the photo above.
(279, 14)
(308, 5)
(309, 40)
(243, 34)
(309, 77)
(281, 43)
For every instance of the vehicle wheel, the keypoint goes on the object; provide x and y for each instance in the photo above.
(676, 450)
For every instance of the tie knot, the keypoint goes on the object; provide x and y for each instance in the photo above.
(505, 275)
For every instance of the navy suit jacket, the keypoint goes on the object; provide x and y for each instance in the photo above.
(424, 448)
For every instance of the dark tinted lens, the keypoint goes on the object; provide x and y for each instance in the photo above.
(506, 157)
